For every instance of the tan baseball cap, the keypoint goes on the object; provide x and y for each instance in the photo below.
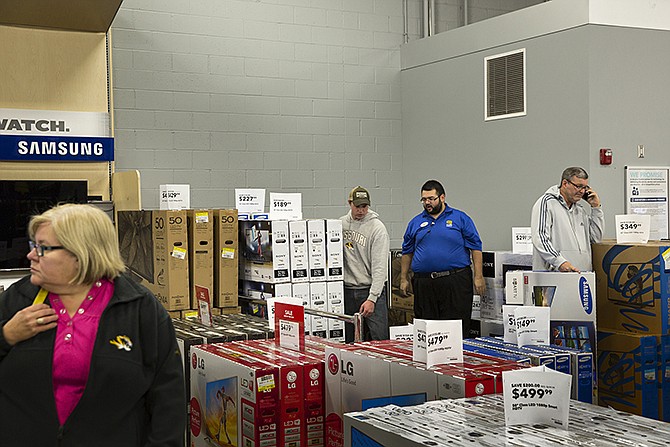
(359, 196)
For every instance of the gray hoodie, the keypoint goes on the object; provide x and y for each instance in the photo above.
(564, 234)
(366, 251)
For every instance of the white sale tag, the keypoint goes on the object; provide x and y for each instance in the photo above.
(537, 396)
(250, 200)
(281, 299)
(444, 342)
(290, 334)
(632, 228)
(532, 325)
(509, 323)
(285, 206)
(402, 332)
(522, 240)
(419, 342)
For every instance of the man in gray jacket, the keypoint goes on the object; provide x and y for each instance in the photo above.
(366, 251)
(565, 221)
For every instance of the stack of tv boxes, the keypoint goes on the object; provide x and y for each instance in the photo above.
(173, 252)
(300, 258)
(633, 359)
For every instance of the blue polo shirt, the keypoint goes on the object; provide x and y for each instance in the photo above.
(443, 243)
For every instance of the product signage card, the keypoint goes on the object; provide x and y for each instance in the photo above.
(402, 332)
(509, 324)
(537, 396)
(204, 305)
(272, 302)
(532, 325)
(290, 326)
(175, 197)
(437, 342)
(632, 228)
(55, 135)
(522, 240)
(285, 206)
(250, 200)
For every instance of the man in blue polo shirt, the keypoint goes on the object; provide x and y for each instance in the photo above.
(440, 245)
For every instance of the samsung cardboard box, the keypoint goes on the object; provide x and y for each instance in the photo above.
(633, 283)
(299, 251)
(334, 250)
(628, 372)
(316, 246)
(265, 251)
(154, 246)
(226, 258)
(200, 224)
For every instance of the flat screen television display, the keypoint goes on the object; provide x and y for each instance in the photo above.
(21, 199)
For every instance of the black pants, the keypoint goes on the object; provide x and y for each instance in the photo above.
(376, 326)
(445, 298)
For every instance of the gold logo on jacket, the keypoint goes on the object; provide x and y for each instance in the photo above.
(122, 342)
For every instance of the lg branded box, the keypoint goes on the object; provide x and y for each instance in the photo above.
(200, 225)
(334, 253)
(633, 287)
(154, 246)
(226, 258)
(316, 246)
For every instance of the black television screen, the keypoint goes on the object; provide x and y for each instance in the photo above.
(21, 199)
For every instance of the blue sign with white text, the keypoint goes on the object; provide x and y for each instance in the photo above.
(47, 148)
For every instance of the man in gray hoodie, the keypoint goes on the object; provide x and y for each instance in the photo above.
(565, 221)
(366, 251)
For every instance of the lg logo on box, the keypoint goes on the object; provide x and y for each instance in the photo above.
(196, 362)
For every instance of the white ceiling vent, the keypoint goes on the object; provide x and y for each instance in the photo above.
(505, 85)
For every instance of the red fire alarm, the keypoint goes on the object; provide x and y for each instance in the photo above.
(605, 156)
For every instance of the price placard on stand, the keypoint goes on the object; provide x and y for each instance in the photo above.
(272, 302)
(419, 342)
(250, 200)
(532, 325)
(402, 332)
(437, 342)
(632, 228)
(204, 305)
(290, 326)
(285, 206)
(522, 240)
(509, 323)
(537, 396)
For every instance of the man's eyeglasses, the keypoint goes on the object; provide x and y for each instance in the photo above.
(579, 187)
(42, 248)
(428, 199)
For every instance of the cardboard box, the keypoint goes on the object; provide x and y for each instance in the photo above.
(265, 251)
(226, 258)
(628, 372)
(154, 246)
(316, 246)
(301, 291)
(334, 250)
(318, 300)
(335, 304)
(200, 225)
(298, 249)
(633, 283)
(495, 265)
(250, 390)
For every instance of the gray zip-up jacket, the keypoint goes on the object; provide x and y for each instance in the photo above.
(366, 252)
(564, 234)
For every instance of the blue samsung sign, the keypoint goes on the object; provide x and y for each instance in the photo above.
(55, 148)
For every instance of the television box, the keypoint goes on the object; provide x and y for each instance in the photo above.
(265, 251)
(226, 258)
(200, 224)
(318, 300)
(334, 250)
(298, 249)
(250, 390)
(262, 291)
(316, 246)
(335, 304)
(633, 284)
(301, 291)
(398, 301)
(495, 265)
(154, 246)
(628, 372)
(571, 297)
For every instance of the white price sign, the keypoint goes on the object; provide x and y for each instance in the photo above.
(509, 324)
(290, 334)
(532, 325)
(537, 396)
(402, 332)
(632, 228)
(522, 240)
(285, 206)
(437, 342)
(250, 200)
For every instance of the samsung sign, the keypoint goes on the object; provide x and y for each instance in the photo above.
(48, 135)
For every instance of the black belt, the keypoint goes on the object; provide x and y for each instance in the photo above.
(433, 275)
